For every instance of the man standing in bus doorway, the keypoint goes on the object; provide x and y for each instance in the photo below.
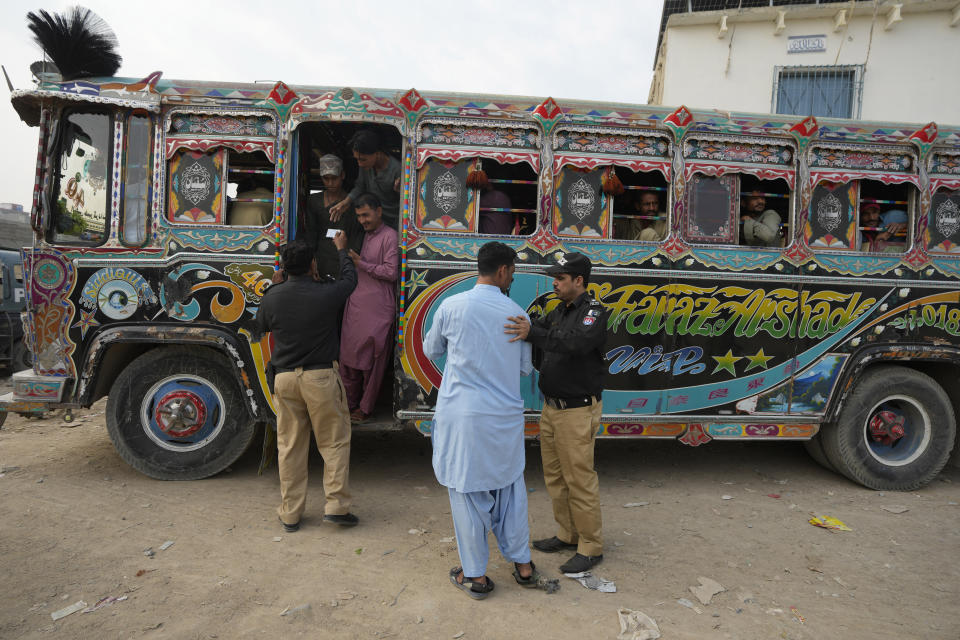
(478, 425)
(318, 221)
(759, 226)
(571, 338)
(367, 320)
(303, 314)
(379, 175)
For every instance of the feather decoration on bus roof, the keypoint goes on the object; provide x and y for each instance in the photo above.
(79, 42)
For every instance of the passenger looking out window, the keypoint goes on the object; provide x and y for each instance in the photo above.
(882, 233)
(646, 222)
(759, 226)
(379, 175)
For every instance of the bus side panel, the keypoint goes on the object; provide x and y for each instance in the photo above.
(183, 304)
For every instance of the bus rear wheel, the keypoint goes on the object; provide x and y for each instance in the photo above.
(178, 414)
(895, 431)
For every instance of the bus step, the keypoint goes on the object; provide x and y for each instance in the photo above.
(30, 387)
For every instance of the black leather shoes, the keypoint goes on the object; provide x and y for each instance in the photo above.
(579, 563)
(552, 545)
(290, 528)
(345, 520)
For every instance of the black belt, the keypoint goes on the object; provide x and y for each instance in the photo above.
(309, 367)
(570, 403)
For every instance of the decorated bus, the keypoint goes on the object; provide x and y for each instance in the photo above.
(841, 330)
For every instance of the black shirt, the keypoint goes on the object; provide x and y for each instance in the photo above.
(304, 316)
(315, 226)
(572, 338)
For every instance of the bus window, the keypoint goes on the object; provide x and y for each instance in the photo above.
(198, 191)
(445, 203)
(764, 212)
(831, 219)
(136, 184)
(580, 207)
(884, 221)
(507, 198)
(943, 227)
(712, 209)
(81, 191)
(640, 212)
(249, 189)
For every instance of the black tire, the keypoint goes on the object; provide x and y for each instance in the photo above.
(178, 414)
(913, 460)
(21, 358)
(814, 447)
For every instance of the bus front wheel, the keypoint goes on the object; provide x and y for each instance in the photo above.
(814, 447)
(895, 431)
(178, 414)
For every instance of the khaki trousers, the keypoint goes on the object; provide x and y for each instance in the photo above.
(566, 446)
(316, 398)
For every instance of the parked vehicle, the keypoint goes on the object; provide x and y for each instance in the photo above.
(14, 355)
(139, 288)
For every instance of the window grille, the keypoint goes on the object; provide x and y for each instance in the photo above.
(826, 91)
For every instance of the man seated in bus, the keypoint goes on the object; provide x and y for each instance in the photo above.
(379, 175)
(884, 233)
(251, 207)
(646, 228)
(759, 226)
(495, 214)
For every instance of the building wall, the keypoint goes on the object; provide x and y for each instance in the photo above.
(910, 72)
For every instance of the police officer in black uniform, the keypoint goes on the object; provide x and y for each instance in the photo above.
(572, 338)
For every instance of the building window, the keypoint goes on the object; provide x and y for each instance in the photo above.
(829, 91)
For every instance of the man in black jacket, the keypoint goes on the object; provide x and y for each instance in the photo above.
(304, 316)
(572, 338)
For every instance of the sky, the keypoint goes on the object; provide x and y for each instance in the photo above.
(563, 48)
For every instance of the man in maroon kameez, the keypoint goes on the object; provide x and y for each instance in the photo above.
(370, 311)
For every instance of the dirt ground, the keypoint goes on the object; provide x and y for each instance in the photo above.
(75, 521)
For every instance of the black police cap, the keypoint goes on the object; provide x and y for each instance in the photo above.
(576, 264)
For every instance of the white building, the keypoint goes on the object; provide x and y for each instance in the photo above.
(885, 60)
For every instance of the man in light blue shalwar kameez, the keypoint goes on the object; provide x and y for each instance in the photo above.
(478, 425)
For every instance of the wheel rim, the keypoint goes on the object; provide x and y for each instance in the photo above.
(182, 413)
(917, 431)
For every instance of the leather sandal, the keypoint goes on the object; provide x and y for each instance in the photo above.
(473, 588)
(530, 582)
